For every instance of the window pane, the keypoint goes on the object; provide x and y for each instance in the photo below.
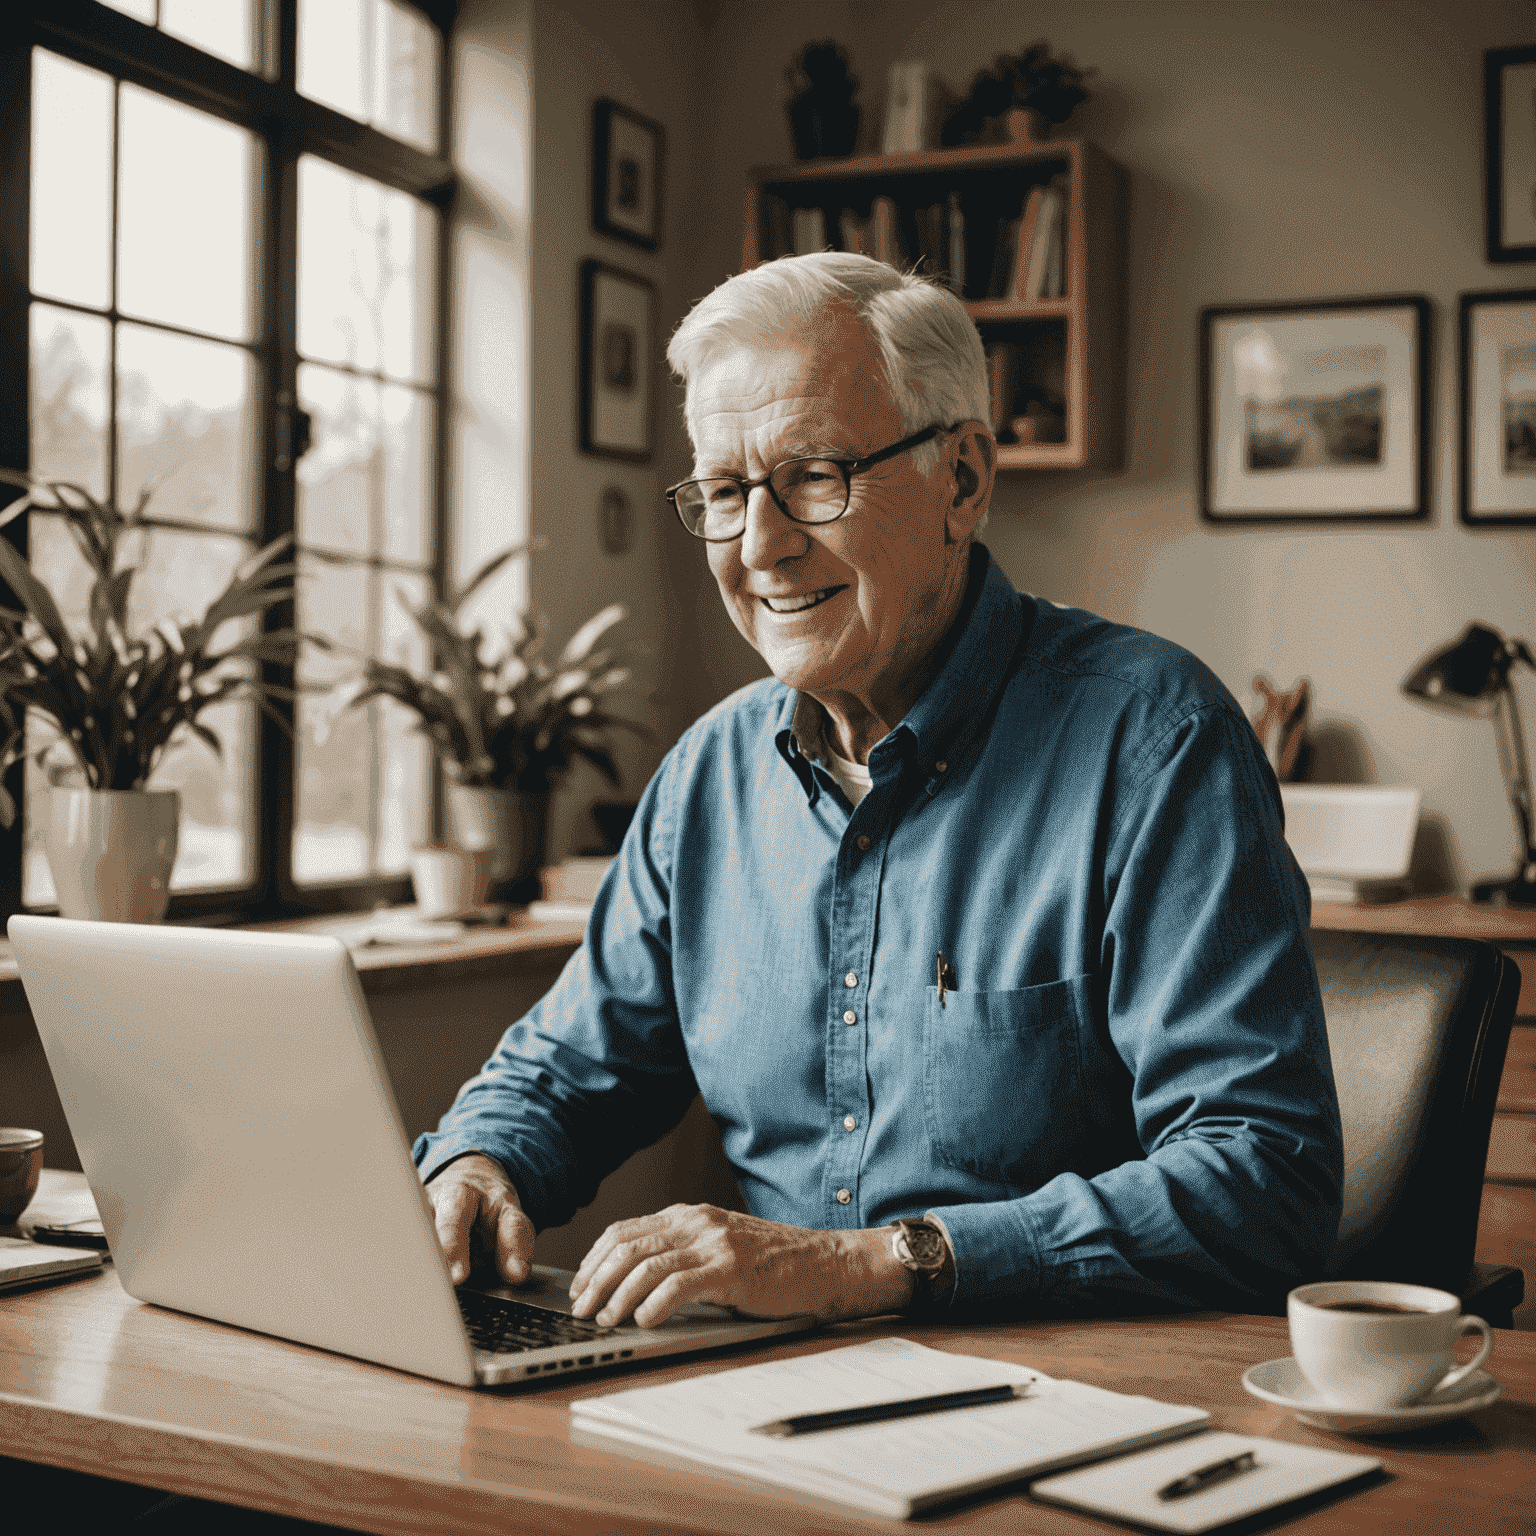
(71, 181)
(186, 187)
(340, 478)
(186, 418)
(179, 575)
(407, 430)
(335, 751)
(405, 775)
(405, 75)
(222, 27)
(367, 263)
(69, 398)
(140, 10)
(333, 56)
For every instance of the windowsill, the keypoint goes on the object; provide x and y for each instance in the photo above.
(523, 943)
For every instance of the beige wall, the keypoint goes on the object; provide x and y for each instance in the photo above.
(1288, 150)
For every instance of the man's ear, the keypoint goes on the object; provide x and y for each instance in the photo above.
(972, 471)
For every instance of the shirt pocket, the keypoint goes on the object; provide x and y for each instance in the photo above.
(1002, 1079)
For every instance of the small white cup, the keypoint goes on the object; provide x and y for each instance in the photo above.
(449, 879)
(1378, 1344)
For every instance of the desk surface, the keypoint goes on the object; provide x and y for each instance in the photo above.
(91, 1379)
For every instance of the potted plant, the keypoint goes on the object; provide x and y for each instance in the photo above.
(505, 722)
(115, 701)
(1025, 91)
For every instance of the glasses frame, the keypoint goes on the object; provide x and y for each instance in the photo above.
(849, 467)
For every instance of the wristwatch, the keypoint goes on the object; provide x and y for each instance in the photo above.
(922, 1247)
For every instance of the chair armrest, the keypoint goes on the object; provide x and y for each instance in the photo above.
(1492, 1292)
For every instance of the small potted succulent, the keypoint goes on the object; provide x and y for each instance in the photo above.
(505, 721)
(112, 702)
(823, 116)
(1024, 93)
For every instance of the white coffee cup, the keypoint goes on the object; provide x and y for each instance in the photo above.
(1380, 1344)
(449, 879)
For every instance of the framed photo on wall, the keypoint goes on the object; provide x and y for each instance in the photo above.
(618, 356)
(626, 175)
(1509, 141)
(1498, 407)
(1315, 412)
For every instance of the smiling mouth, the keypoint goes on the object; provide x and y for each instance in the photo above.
(800, 604)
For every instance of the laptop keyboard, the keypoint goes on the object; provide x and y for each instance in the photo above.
(508, 1327)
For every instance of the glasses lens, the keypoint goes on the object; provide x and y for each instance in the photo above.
(814, 490)
(712, 509)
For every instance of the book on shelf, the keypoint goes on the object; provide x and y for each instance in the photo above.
(778, 238)
(1047, 243)
(895, 1468)
(885, 231)
(955, 229)
(853, 232)
(933, 239)
(810, 230)
(1002, 370)
(1024, 244)
(916, 103)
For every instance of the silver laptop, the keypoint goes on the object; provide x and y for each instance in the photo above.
(235, 1121)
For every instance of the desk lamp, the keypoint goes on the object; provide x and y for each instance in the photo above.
(1471, 677)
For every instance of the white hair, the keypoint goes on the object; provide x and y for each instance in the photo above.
(934, 365)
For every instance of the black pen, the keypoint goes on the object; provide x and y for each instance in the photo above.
(1207, 1477)
(873, 1413)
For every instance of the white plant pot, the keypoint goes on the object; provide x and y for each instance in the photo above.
(111, 852)
(506, 825)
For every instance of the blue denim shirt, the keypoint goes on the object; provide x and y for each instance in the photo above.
(1124, 1092)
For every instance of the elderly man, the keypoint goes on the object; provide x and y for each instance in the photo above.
(974, 926)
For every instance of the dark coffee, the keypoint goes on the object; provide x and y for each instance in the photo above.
(1367, 1306)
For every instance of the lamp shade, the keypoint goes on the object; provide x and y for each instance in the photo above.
(1465, 677)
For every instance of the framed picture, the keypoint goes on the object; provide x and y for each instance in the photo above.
(1315, 411)
(1509, 141)
(1498, 407)
(618, 346)
(626, 175)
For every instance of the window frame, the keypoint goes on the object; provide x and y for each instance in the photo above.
(287, 126)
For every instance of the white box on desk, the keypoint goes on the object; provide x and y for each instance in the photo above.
(1353, 841)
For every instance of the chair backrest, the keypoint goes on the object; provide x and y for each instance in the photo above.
(1417, 1028)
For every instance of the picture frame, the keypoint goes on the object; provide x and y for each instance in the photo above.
(1509, 144)
(627, 163)
(1498, 408)
(1315, 411)
(618, 363)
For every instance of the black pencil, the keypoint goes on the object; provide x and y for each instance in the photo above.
(873, 1413)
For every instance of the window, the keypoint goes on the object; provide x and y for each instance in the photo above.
(234, 297)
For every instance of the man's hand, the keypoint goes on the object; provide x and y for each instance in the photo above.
(474, 1194)
(651, 1266)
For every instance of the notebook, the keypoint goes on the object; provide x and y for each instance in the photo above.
(234, 1117)
(1126, 1489)
(897, 1468)
(23, 1262)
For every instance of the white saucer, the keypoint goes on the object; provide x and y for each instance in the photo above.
(1281, 1382)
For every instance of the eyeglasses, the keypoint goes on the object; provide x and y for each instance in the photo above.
(804, 490)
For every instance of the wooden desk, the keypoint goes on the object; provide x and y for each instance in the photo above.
(93, 1380)
(1506, 1231)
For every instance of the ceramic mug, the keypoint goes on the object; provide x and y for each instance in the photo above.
(21, 1167)
(449, 879)
(1371, 1344)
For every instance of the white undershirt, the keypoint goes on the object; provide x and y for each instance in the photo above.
(853, 779)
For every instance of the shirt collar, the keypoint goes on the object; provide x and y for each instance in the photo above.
(975, 657)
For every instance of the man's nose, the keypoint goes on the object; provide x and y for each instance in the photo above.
(768, 535)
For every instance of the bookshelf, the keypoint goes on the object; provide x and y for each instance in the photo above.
(1067, 352)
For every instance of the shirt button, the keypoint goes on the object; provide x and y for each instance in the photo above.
(863, 843)
(849, 1123)
(850, 1017)
(941, 766)
(843, 1197)
(850, 980)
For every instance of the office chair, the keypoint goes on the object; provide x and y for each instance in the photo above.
(1418, 1028)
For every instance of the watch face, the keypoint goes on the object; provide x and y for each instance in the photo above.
(925, 1243)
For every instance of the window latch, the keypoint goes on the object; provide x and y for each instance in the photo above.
(294, 433)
